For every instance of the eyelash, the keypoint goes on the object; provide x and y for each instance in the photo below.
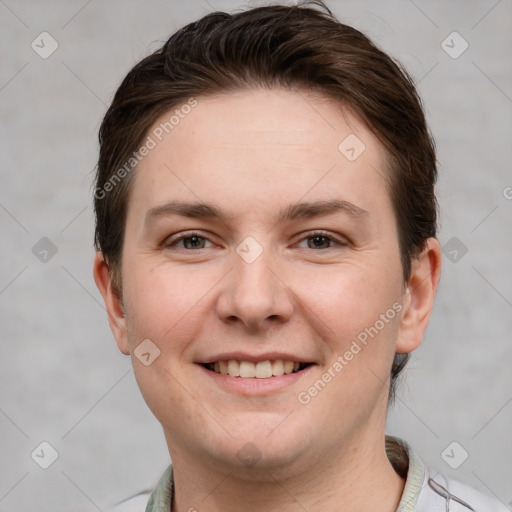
(172, 244)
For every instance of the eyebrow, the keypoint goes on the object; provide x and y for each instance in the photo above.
(295, 211)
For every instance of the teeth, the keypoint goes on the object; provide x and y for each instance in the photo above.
(247, 369)
(223, 367)
(233, 368)
(288, 366)
(261, 370)
(277, 368)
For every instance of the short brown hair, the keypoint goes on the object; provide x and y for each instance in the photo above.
(292, 47)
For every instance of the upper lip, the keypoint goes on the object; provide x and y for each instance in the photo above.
(254, 358)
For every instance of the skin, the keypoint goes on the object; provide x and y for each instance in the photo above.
(254, 153)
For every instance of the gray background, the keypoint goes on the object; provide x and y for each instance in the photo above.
(62, 379)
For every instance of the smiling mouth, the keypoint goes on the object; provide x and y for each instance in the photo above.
(261, 370)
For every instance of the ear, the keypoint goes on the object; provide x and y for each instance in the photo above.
(419, 297)
(113, 303)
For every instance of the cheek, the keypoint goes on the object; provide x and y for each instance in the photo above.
(352, 298)
(165, 307)
(362, 315)
(162, 301)
(362, 309)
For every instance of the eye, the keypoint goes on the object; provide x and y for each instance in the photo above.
(190, 241)
(321, 240)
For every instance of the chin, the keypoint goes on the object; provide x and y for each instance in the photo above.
(262, 448)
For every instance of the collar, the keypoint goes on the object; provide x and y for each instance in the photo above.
(409, 466)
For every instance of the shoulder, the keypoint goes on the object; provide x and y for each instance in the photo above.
(429, 491)
(442, 493)
(157, 500)
(134, 504)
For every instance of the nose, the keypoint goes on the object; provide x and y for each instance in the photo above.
(255, 295)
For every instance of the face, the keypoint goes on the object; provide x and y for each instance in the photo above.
(261, 261)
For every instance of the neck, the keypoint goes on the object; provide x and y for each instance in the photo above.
(356, 478)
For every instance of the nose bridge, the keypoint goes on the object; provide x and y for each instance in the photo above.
(254, 293)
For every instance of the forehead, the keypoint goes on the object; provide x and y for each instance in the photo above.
(257, 148)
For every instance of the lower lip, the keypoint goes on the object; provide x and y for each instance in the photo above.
(254, 386)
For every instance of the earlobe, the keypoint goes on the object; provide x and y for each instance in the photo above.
(113, 303)
(419, 297)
